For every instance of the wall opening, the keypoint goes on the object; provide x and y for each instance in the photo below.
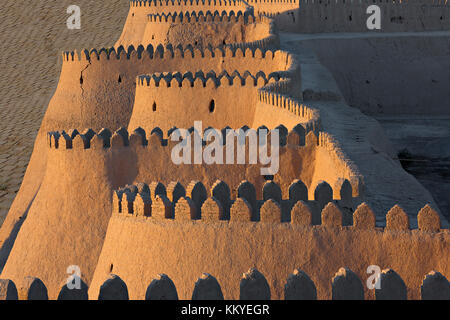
(212, 106)
(120, 79)
(111, 268)
(154, 106)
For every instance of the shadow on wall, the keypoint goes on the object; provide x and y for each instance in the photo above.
(395, 75)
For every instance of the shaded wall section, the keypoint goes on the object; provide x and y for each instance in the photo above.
(390, 75)
(227, 249)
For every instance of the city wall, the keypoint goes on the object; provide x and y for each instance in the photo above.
(273, 247)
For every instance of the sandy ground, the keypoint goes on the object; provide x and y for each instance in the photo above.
(32, 36)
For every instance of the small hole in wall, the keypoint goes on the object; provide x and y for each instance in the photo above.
(223, 42)
(81, 79)
(441, 18)
(212, 106)
(132, 14)
(153, 37)
(195, 43)
(120, 79)
(349, 18)
(154, 106)
(111, 268)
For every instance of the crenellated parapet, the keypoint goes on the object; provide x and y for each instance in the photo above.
(105, 139)
(205, 80)
(241, 29)
(253, 285)
(194, 202)
(209, 16)
(176, 3)
(161, 51)
(318, 234)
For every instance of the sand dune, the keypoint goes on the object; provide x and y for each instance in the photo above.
(33, 34)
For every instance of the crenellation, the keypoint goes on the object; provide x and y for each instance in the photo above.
(397, 219)
(114, 288)
(243, 18)
(162, 208)
(301, 214)
(332, 216)
(270, 212)
(161, 288)
(212, 210)
(435, 287)
(186, 209)
(364, 218)
(159, 51)
(241, 210)
(392, 286)
(299, 286)
(347, 286)
(253, 285)
(428, 219)
(207, 288)
(219, 63)
(294, 208)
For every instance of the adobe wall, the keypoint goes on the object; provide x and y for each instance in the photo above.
(70, 212)
(161, 106)
(272, 247)
(283, 12)
(97, 90)
(134, 27)
(375, 76)
(317, 16)
(67, 220)
(204, 30)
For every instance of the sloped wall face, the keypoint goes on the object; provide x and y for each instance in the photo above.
(67, 221)
(375, 76)
(95, 93)
(202, 34)
(316, 16)
(134, 28)
(184, 250)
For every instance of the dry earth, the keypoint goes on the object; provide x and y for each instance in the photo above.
(33, 34)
